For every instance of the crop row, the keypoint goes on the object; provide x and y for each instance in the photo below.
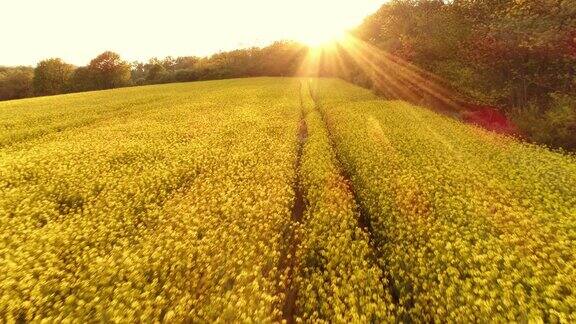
(473, 226)
(339, 280)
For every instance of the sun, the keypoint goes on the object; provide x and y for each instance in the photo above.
(321, 38)
(320, 23)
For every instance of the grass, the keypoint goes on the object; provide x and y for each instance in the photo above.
(179, 203)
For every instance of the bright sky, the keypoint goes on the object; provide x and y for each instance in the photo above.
(78, 30)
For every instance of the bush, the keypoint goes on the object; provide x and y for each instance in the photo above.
(555, 127)
(15, 83)
(185, 75)
(52, 76)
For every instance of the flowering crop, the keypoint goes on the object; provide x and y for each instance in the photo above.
(339, 278)
(180, 203)
(169, 211)
(473, 226)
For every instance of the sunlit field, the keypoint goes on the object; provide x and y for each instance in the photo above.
(270, 199)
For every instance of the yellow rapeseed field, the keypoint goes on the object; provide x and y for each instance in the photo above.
(276, 199)
(339, 279)
(169, 206)
(473, 226)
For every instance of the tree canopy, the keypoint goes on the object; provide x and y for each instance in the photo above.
(109, 71)
(52, 76)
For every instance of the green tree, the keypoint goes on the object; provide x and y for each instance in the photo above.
(109, 71)
(52, 76)
(16, 82)
(82, 80)
(185, 62)
(155, 70)
(507, 53)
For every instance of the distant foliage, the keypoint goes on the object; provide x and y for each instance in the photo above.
(109, 71)
(52, 76)
(82, 80)
(16, 82)
(278, 59)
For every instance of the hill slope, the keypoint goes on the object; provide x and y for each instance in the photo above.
(270, 198)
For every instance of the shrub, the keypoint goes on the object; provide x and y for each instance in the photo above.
(555, 127)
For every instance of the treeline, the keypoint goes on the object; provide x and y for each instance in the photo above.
(108, 70)
(511, 56)
(278, 59)
(16, 82)
(519, 56)
(54, 76)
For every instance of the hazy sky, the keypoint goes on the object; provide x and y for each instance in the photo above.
(78, 30)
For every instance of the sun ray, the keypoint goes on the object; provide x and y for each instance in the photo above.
(389, 74)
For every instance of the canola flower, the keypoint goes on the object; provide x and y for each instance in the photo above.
(174, 203)
(339, 280)
(169, 212)
(473, 226)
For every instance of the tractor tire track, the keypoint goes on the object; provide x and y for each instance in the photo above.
(288, 262)
(364, 219)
